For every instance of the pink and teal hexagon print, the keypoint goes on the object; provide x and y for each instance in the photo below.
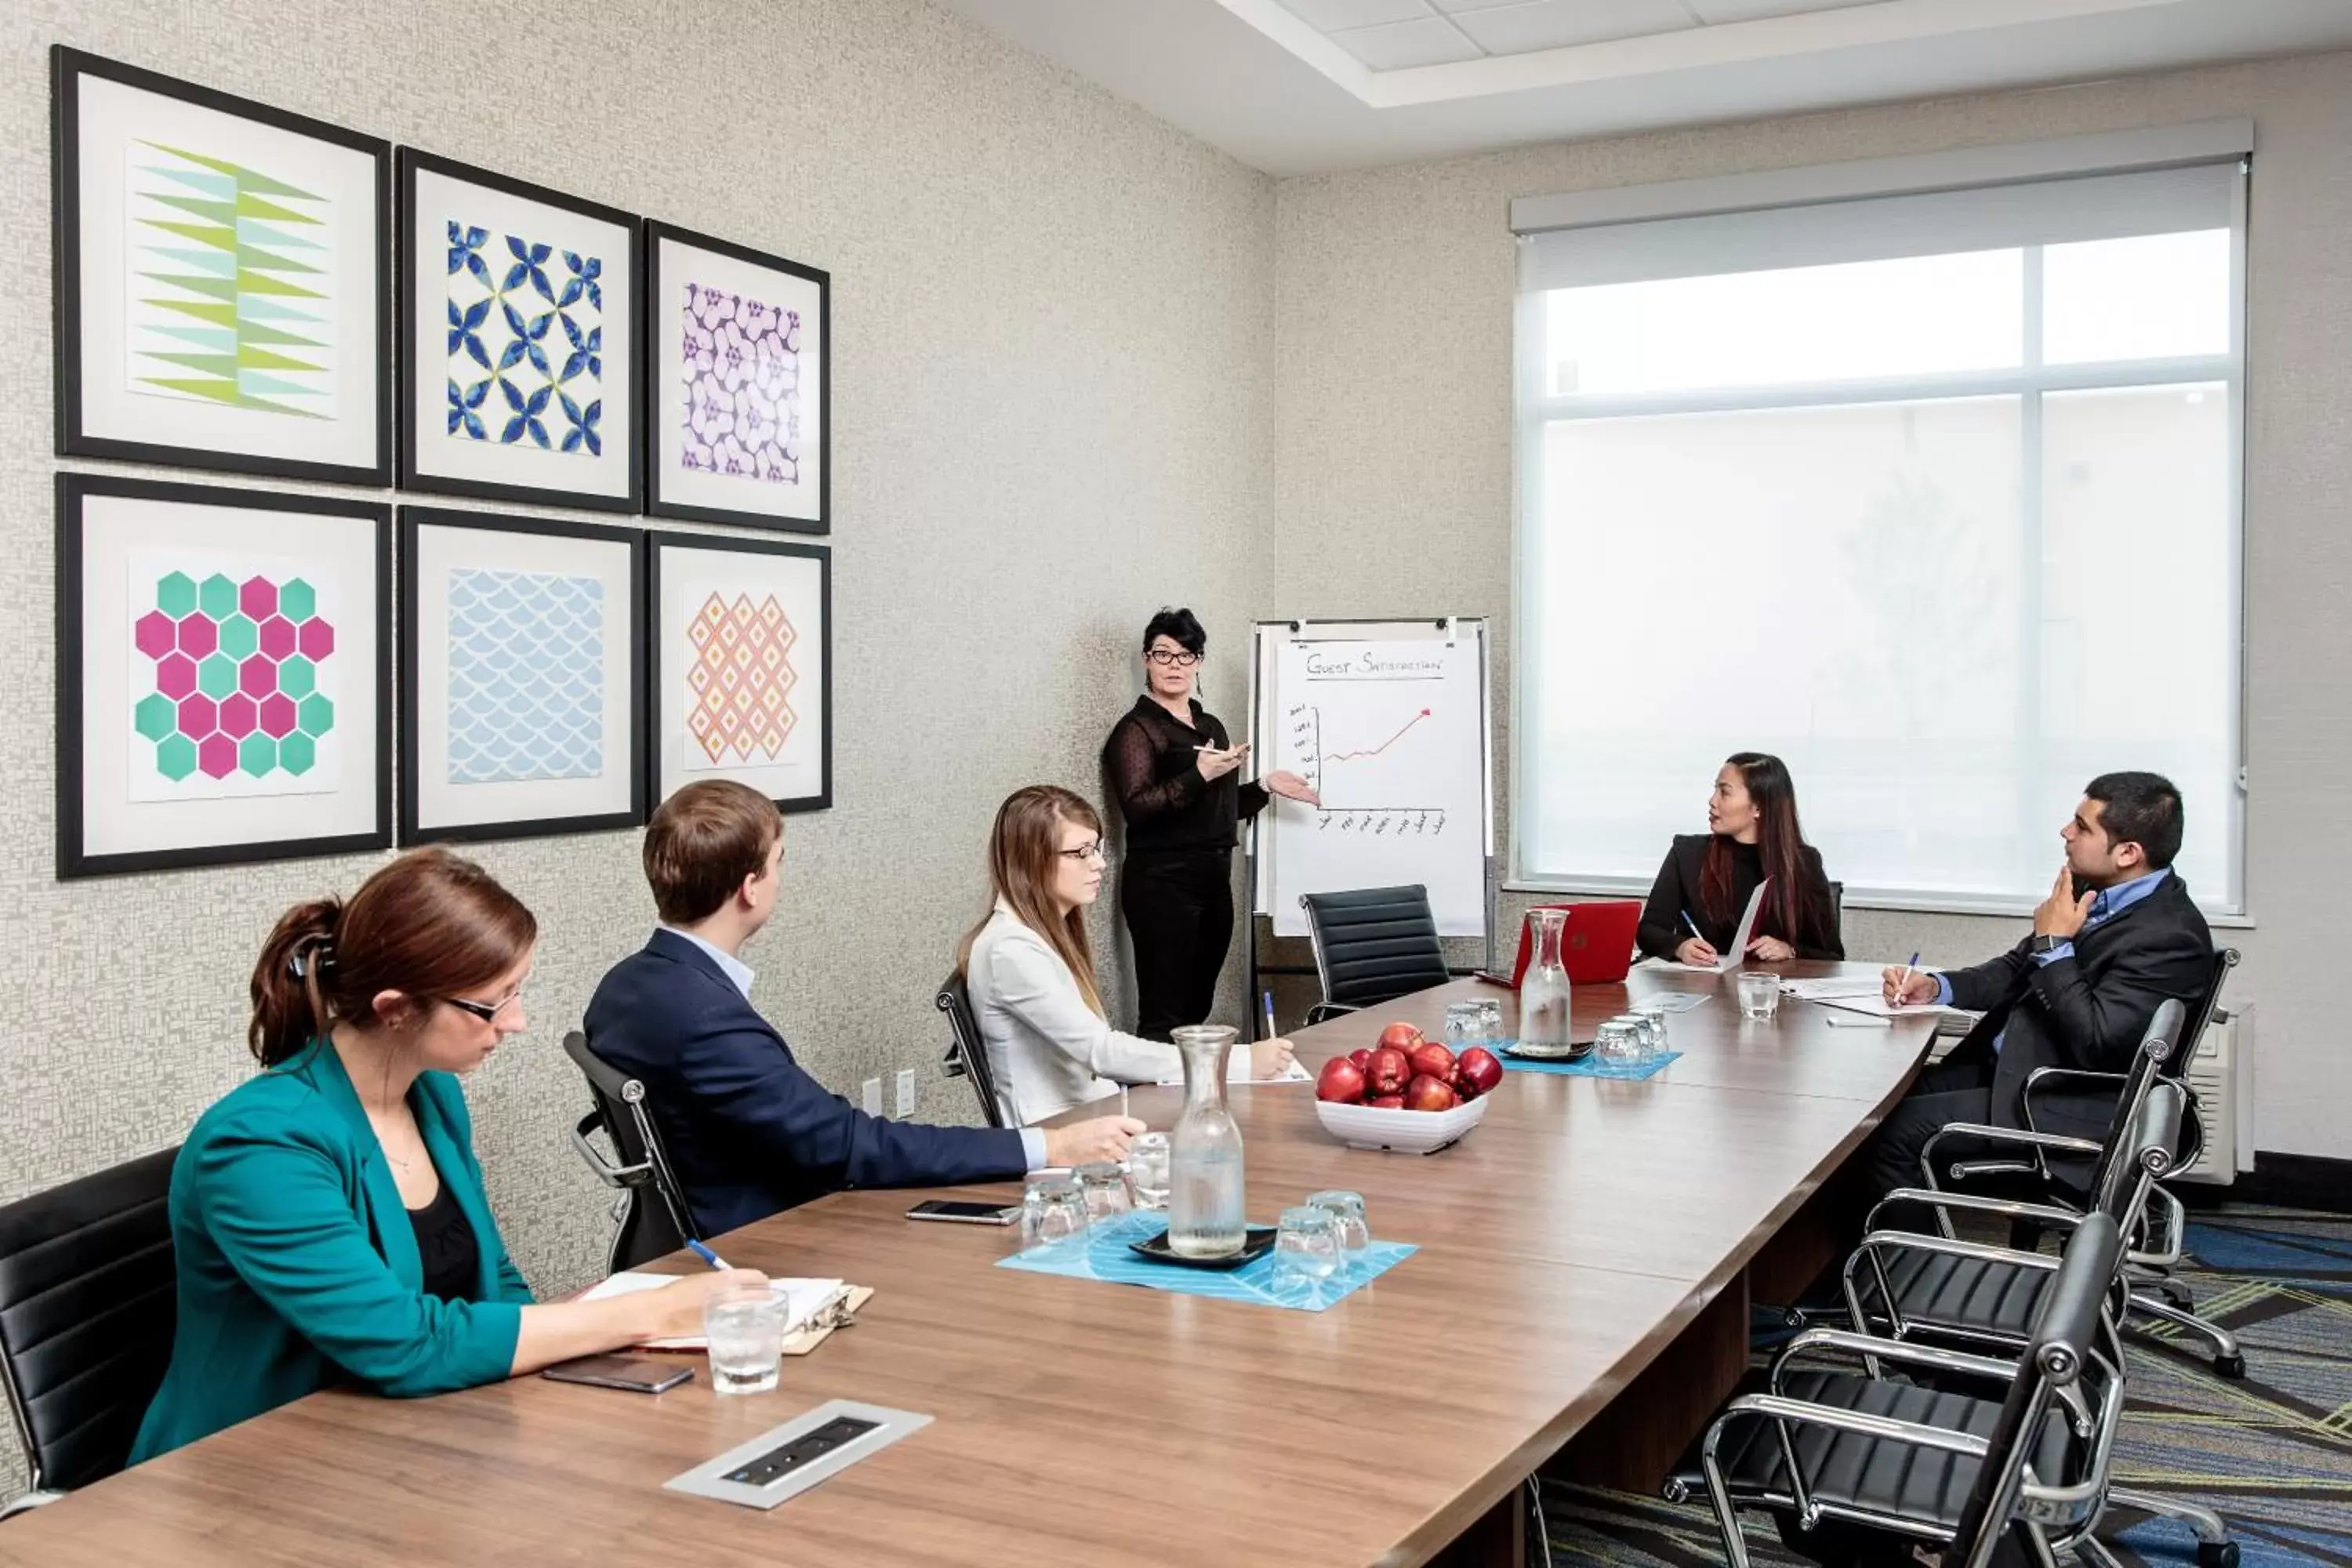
(232, 681)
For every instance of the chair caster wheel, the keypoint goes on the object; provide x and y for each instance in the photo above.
(2226, 1366)
(2216, 1555)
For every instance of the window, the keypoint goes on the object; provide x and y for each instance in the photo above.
(1933, 495)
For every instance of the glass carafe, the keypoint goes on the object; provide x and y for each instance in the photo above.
(1543, 993)
(1205, 1152)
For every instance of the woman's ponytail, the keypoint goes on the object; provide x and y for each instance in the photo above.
(289, 1009)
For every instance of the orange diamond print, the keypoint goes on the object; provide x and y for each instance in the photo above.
(742, 678)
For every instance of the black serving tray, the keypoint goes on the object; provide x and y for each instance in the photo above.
(1257, 1241)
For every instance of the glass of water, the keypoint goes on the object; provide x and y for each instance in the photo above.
(1491, 1010)
(1759, 995)
(1147, 1169)
(1465, 1025)
(1104, 1187)
(1653, 1017)
(1355, 1234)
(1307, 1243)
(1618, 1042)
(746, 1329)
(1051, 1209)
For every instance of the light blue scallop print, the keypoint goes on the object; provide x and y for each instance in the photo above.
(526, 677)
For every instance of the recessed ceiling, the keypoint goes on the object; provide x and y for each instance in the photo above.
(1301, 87)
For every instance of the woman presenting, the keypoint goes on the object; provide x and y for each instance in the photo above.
(1752, 836)
(1180, 783)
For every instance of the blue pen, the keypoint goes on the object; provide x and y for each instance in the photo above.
(1268, 997)
(1693, 926)
(1905, 980)
(705, 1253)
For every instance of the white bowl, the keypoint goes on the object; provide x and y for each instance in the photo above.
(1404, 1132)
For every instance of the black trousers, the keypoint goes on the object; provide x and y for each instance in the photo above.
(1958, 1090)
(1179, 905)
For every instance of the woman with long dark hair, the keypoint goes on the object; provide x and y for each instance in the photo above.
(1180, 783)
(1753, 836)
(328, 1220)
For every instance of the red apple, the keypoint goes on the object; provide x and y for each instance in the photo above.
(1362, 1057)
(1432, 1060)
(1387, 1102)
(1402, 1037)
(1429, 1093)
(1388, 1071)
(1481, 1069)
(1341, 1080)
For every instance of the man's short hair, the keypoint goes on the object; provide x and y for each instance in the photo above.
(2142, 809)
(703, 842)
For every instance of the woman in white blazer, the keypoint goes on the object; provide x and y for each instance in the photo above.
(1031, 971)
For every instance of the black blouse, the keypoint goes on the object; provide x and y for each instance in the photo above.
(1677, 889)
(451, 1253)
(1154, 770)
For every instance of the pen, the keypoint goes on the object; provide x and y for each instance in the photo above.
(1693, 926)
(705, 1253)
(1838, 1021)
(1268, 997)
(1122, 1100)
(1899, 984)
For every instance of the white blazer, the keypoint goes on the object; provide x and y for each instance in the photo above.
(1048, 1049)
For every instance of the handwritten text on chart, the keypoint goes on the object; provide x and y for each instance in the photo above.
(1370, 667)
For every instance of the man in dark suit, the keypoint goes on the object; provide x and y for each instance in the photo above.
(2118, 936)
(748, 1133)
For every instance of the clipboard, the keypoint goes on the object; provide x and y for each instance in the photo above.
(841, 1314)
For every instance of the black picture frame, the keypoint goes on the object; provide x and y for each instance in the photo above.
(67, 69)
(409, 162)
(75, 860)
(659, 500)
(629, 647)
(658, 717)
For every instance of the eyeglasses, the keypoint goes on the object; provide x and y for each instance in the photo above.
(1184, 661)
(1094, 851)
(488, 1012)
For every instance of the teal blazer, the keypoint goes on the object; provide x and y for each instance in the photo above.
(297, 1264)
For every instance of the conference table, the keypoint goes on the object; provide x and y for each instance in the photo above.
(1578, 1304)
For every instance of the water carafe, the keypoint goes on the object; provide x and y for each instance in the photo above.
(1543, 993)
(1205, 1152)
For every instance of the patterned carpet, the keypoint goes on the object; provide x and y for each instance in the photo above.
(2270, 1452)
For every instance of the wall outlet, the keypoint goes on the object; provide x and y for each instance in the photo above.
(906, 1093)
(869, 1095)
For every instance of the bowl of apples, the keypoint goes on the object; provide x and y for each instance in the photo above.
(1406, 1094)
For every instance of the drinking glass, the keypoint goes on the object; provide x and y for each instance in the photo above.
(1355, 1234)
(746, 1329)
(1465, 1025)
(1307, 1243)
(1104, 1187)
(1051, 1209)
(1491, 1010)
(1619, 1042)
(1759, 995)
(1655, 1014)
(1147, 1169)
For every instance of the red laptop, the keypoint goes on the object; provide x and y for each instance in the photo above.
(1596, 945)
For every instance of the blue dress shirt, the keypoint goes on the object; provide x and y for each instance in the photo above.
(2105, 905)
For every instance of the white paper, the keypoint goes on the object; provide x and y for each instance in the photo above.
(1237, 1066)
(802, 1298)
(1876, 1004)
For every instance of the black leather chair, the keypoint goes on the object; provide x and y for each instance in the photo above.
(87, 1303)
(1372, 945)
(967, 1052)
(1857, 1468)
(652, 1219)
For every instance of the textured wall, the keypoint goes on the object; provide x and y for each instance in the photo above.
(1052, 414)
(1392, 401)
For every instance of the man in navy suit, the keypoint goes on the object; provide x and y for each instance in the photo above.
(748, 1133)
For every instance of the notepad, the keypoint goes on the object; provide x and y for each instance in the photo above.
(1725, 962)
(1237, 1066)
(802, 1298)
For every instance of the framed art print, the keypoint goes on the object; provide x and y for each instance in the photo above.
(741, 666)
(224, 675)
(518, 362)
(522, 695)
(222, 300)
(737, 350)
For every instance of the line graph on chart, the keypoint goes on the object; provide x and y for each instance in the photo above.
(1366, 784)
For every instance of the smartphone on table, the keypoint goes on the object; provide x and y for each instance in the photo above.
(956, 1212)
(639, 1374)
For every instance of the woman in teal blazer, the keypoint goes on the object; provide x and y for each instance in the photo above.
(328, 1216)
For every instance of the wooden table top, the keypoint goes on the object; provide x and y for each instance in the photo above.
(1563, 1244)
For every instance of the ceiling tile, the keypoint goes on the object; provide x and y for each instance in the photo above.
(1457, 5)
(1714, 11)
(1333, 16)
(1563, 24)
(1400, 45)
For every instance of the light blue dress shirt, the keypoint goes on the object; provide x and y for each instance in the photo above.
(1033, 1142)
(2105, 905)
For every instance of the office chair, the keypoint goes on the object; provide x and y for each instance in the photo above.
(87, 1304)
(646, 1228)
(1372, 945)
(1853, 1467)
(967, 1052)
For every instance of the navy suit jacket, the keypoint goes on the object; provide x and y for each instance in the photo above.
(747, 1131)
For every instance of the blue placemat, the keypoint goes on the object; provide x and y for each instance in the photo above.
(1103, 1254)
(1589, 1067)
